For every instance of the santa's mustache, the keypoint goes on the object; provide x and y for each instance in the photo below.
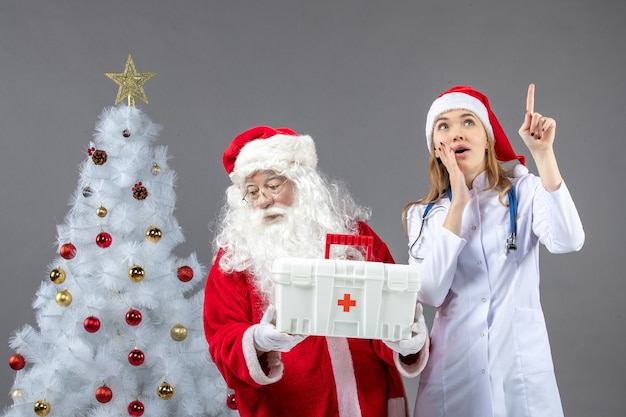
(269, 214)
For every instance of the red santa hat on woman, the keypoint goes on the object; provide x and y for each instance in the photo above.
(266, 148)
(466, 98)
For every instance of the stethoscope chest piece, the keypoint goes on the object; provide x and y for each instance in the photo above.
(510, 243)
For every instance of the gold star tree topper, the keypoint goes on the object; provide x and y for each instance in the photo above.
(131, 83)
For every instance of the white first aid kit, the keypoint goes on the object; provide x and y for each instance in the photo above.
(330, 297)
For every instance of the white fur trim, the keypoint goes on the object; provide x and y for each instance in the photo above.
(276, 153)
(345, 380)
(252, 360)
(455, 101)
(519, 170)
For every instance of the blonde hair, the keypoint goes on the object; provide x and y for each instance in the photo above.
(497, 176)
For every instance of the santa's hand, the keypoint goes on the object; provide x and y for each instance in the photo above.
(417, 340)
(267, 338)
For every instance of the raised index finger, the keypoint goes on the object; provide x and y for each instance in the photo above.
(530, 99)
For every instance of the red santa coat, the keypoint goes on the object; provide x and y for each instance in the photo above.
(321, 376)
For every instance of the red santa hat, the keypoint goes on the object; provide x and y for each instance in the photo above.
(266, 148)
(466, 98)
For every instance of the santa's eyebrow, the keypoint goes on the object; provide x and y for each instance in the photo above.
(269, 178)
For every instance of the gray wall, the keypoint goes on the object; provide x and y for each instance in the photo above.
(356, 75)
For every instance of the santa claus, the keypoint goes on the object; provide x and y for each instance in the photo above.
(280, 204)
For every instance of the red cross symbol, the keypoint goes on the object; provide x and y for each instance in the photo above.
(346, 303)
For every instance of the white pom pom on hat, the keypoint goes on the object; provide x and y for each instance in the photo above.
(466, 98)
(266, 148)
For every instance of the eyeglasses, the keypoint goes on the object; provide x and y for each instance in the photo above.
(270, 190)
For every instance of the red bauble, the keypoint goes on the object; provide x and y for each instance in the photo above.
(17, 362)
(68, 251)
(92, 324)
(135, 409)
(136, 357)
(133, 317)
(104, 240)
(185, 273)
(104, 394)
(231, 402)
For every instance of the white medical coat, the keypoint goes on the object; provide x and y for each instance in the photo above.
(490, 354)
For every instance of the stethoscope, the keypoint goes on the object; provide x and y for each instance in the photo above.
(510, 241)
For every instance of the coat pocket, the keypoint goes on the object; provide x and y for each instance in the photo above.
(533, 346)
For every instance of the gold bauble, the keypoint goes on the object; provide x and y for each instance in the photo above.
(42, 408)
(17, 395)
(101, 211)
(57, 275)
(165, 391)
(178, 332)
(136, 273)
(156, 169)
(154, 234)
(64, 298)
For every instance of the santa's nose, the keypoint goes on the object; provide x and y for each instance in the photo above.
(263, 201)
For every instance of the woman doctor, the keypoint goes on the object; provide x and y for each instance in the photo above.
(477, 243)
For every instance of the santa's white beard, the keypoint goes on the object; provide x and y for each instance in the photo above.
(253, 242)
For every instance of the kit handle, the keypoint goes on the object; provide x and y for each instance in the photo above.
(350, 240)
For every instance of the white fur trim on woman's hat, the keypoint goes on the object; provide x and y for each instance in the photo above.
(455, 101)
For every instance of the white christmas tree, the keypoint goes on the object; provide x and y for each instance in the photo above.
(120, 317)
